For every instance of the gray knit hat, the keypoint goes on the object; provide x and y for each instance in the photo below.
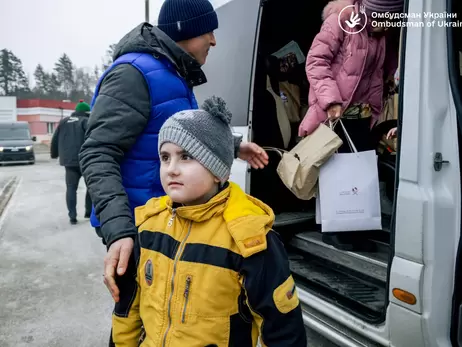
(205, 134)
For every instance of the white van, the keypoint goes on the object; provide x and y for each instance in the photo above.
(408, 293)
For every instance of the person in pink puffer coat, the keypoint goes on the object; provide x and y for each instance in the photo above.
(345, 69)
(348, 71)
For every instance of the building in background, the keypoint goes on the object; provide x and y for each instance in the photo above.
(43, 116)
(8, 109)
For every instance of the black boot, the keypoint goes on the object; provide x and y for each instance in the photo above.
(337, 241)
(349, 241)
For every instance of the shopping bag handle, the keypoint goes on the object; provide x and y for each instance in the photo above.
(277, 150)
(350, 142)
(332, 125)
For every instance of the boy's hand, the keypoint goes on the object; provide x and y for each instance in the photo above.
(117, 257)
(253, 154)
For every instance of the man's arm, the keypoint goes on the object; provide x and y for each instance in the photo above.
(272, 296)
(119, 116)
(54, 148)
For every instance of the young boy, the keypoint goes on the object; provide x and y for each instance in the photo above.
(211, 272)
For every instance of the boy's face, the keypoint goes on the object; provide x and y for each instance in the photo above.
(183, 178)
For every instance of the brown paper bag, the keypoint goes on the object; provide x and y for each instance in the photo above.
(299, 168)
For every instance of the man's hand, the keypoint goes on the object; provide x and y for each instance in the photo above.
(116, 257)
(392, 133)
(334, 112)
(253, 154)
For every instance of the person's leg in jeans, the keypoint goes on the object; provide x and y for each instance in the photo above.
(72, 183)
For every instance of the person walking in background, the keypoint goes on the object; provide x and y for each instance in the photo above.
(65, 144)
(154, 71)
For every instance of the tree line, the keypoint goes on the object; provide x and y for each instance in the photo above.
(65, 81)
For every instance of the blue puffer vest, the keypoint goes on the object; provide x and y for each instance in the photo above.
(169, 94)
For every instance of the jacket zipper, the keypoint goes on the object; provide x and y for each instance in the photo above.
(172, 282)
(359, 80)
(172, 218)
(186, 297)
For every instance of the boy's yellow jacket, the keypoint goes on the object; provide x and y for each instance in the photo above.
(208, 275)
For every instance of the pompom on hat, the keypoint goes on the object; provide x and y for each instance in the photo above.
(82, 106)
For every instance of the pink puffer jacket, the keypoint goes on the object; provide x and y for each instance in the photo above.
(335, 65)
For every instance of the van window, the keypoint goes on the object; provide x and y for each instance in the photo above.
(14, 134)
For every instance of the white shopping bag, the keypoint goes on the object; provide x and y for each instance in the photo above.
(349, 191)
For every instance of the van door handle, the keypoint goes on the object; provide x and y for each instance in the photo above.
(438, 161)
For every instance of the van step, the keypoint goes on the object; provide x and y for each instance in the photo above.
(338, 286)
(292, 218)
(370, 264)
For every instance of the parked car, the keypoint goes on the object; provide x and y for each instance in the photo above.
(16, 143)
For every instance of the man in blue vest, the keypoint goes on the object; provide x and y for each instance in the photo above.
(154, 71)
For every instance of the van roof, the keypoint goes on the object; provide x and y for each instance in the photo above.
(13, 124)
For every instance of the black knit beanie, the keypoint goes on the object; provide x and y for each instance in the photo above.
(186, 19)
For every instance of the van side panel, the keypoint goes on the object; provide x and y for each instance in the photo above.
(229, 64)
(428, 200)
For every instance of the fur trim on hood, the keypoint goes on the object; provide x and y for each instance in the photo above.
(336, 6)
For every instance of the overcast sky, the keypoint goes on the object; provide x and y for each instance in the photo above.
(39, 31)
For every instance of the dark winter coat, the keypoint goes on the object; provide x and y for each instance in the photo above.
(68, 138)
